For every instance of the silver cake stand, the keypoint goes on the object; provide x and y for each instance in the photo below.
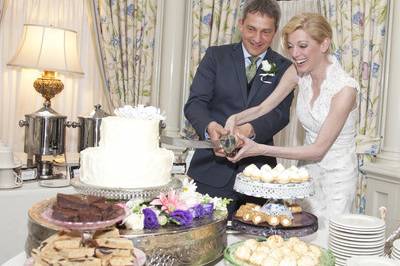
(303, 223)
(201, 243)
(260, 189)
(145, 194)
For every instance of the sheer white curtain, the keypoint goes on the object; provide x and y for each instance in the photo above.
(17, 95)
(293, 134)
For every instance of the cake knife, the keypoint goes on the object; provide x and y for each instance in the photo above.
(185, 143)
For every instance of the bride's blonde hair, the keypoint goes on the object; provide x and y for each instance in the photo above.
(314, 24)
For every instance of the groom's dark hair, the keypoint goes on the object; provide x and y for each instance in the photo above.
(269, 8)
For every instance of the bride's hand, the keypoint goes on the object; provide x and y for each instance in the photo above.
(248, 148)
(230, 125)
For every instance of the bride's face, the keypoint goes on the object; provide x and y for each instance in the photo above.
(305, 52)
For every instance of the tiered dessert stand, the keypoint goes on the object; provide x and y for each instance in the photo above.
(200, 243)
(303, 223)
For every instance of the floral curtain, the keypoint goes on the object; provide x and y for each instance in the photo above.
(213, 23)
(358, 38)
(126, 34)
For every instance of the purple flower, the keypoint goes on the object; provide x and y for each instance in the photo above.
(208, 208)
(150, 219)
(181, 217)
(197, 211)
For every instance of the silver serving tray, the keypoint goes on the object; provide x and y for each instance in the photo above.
(145, 194)
(260, 189)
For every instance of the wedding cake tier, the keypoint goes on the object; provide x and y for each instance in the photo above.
(128, 155)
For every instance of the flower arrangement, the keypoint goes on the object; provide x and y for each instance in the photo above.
(178, 207)
(269, 69)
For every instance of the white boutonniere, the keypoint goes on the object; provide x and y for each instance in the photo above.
(269, 70)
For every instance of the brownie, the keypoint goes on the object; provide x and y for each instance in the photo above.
(81, 208)
(64, 214)
(76, 201)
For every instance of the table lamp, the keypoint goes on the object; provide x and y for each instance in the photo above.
(50, 49)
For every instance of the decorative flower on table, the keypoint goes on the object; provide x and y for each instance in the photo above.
(269, 69)
(179, 207)
(169, 202)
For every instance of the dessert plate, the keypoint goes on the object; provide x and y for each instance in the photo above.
(356, 238)
(351, 235)
(83, 226)
(371, 260)
(357, 222)
(349, 243)
(16, 185)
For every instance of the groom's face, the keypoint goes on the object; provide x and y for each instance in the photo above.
(257, 32)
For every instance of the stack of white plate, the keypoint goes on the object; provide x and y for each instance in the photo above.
(371, 261)
(356, 235)
(396, 250)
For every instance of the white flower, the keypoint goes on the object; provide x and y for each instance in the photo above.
(135, 221)
(269, 71)
(188, 186)
(266, 66)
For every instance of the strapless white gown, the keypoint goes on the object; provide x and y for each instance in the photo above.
(335, 176)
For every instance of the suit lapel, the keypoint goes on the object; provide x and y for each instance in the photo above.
(257, 83)
(238, 60)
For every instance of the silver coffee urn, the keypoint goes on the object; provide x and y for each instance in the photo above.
(44, 140)
(89, 128)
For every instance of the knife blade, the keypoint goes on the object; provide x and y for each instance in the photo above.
(185, 143)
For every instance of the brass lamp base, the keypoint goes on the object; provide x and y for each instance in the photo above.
(48, 86)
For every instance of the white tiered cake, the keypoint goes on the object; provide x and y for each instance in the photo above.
(128, 155)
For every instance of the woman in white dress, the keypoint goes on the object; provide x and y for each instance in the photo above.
(327, 110)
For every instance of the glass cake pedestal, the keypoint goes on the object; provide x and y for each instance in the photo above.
(145, 194)
(303, 223)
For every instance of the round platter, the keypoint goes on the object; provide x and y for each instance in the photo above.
(260, 189)
(327, 258)
(303, 224)
(145, 194)
(83, 226)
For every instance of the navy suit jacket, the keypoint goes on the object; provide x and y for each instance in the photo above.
(219, 89)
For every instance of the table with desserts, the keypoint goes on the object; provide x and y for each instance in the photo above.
(35, 194)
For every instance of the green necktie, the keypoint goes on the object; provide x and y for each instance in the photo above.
(252, 68)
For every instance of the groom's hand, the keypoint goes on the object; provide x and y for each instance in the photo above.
(215, 131)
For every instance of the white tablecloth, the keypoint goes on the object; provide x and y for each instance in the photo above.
(14, 206)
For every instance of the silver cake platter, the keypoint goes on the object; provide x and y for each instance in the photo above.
(201, 243)
(260, 189)
(145, 194)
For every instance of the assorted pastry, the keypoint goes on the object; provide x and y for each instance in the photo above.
(251, 212)
(83, 208)
(278, 174)
(106, 248)
(276, 251)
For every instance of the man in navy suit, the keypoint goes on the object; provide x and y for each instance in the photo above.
(220, 88)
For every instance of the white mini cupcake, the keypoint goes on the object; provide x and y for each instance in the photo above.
(266, 168)
(266, 176)
(303, 173)
(283, 177)
(251, 170)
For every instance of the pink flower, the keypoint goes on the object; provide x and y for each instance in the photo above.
(169, 202)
